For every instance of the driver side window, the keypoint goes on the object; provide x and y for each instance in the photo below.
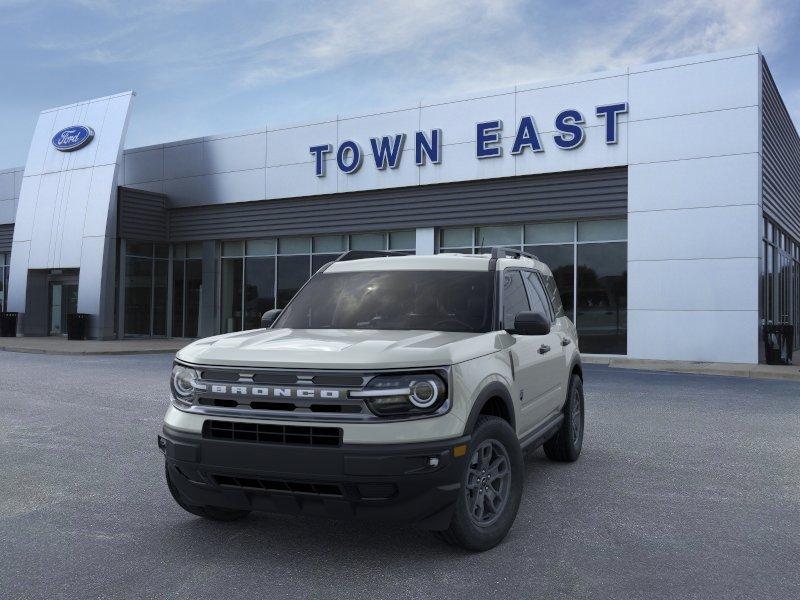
(515, 299)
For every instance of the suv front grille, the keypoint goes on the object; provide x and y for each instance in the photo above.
(309, 395)
(262, 433)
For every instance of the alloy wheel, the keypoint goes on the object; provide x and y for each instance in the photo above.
(488, 483)
(577, 417)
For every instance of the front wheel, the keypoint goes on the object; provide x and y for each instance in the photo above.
(565, 445)
(491, 488)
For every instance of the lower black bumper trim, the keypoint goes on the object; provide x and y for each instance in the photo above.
(416, 483)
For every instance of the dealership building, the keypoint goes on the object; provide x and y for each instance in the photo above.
(664, 197)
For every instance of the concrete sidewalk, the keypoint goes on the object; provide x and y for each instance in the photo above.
(752, 371)
(60, 345)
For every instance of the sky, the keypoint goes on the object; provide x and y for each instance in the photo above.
(203, 67)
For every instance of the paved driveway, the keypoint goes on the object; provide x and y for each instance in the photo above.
(688, 487)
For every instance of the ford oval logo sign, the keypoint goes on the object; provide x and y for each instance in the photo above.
(72, 138)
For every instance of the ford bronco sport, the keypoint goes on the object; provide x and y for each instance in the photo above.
(393, 387)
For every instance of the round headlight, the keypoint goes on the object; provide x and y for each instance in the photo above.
(404, 394)
(423, 393)
(183, 379)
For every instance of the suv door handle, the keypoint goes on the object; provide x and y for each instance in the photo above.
(544, 349)
(565, 341)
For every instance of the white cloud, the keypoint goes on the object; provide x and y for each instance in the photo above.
(328, 40)
(455, 42)
(672, 29)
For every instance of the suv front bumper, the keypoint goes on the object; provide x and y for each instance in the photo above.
(413, 483)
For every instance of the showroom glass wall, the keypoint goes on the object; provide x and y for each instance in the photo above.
(5, 261)
(258, 275)
(780, 284)
(187, 288)
(146, 289)
(594, 293)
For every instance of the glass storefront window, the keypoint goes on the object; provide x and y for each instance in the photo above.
(232, 248)
(143, 249)
(160, 285)
(593, 293)
(187, 281)
(194, 287)
(146, 287)
(550, 233)
(231, 297)
(320, 260)
(138, 295)
(293, 272)
(297, 245)
(602, 299)
(561, 260)
(510, 235)
(780, 282)
(456, 237)
(5, 267)
(259, 290)
(602, 231)
(3, 279)
(261, 247)
(253, 279)
(194, 250)
(367, 241)
(178, 291)
(330, 243)
(403, 240)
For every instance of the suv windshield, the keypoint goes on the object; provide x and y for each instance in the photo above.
(432, 300)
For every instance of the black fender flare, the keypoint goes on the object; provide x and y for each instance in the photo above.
(576, 365)
(495, 389)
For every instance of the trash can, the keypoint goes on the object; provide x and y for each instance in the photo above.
(8, 324)
(77, 324)
(778, 344)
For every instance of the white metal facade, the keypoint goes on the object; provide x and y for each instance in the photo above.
(690, 140)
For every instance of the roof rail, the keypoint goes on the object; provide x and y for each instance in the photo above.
(358, 254)
(505, 252)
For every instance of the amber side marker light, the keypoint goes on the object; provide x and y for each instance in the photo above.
(460, 450)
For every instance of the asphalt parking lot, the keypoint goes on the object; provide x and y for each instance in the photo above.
(688, 487)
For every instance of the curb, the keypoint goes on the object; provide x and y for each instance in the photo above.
(748, 371)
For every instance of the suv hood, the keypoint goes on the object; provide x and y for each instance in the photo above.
(339, 349)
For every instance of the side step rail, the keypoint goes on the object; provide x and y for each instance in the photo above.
(541, 434)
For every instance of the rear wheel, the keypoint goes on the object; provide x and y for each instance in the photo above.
(565, 445)
(491, 488)
(215, 513)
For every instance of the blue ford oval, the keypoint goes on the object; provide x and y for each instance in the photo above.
(72, 138)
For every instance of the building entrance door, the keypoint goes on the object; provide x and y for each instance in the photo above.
(63, 300)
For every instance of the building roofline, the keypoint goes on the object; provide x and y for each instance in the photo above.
(425, 102)
(83, 102)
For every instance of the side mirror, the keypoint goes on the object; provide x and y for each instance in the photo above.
(531, 323)
(268, 318)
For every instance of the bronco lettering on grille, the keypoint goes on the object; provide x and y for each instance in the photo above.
(276, 392)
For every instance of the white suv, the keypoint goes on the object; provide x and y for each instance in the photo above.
(393, 387)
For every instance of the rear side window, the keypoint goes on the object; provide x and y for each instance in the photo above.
(552, 293)
(539, 302)
(515, 299)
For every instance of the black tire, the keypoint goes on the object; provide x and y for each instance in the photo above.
(565, 445)
(215, 513)
(479, 533)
